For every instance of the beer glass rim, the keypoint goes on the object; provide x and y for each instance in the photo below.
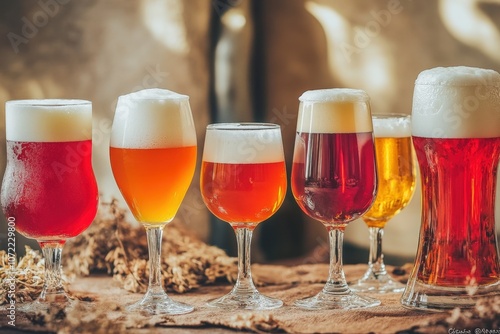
(391, 115)
(48, 103)
(245, 126)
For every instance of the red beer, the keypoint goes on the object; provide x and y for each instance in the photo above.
(461, 174)
(456, 135)
(334, 176)
(50, 188)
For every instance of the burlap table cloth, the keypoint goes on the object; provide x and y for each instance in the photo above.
(105, 313)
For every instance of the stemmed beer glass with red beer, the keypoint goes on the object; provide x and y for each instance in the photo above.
(49, 188)
(334, 178)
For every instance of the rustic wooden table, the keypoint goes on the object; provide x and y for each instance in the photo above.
(105, 315)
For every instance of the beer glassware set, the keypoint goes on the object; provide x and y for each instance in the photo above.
(342, 157)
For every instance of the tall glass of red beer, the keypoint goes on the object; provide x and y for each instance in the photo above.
(243, 182)
(456, 135)
(153, 157)
(334, 178)
(49, 188)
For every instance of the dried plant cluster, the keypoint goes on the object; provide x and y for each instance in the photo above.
(28, 274)
(115, 246)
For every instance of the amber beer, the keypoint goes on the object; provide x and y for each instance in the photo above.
(151, 182)
(244, 184)
(395, 169)
(153, 157)
(456, 134)
(153, 165)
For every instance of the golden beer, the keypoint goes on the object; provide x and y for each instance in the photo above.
(396, 179)
(396, 173)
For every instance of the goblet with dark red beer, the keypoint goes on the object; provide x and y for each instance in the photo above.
(334, 178)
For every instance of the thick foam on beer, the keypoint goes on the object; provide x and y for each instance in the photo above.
(336, 110)
(456, 102)
(153, 118)
(236, 143)
(391, 126)
(48, 120)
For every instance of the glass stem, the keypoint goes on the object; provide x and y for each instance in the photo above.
(52, 289)
(154, 234)
(336, 282)
(376, 262)
(244, 283)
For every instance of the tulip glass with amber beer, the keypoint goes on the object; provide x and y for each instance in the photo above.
(49, 189)
(153, 158)
(243, 182)
(396, 183)
(456, 135)
(334, 178)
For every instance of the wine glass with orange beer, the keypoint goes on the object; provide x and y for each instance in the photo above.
(396, 184)
(243, 182)
(153, 158)
(49, 190)
(334, 178)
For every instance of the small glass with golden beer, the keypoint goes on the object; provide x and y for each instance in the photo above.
(396, 173)
(456, 136)
(153, 158)
(243, 182)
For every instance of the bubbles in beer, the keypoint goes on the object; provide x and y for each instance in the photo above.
(336, 110)
(456, 102)
(242, 145)
(50, 120)
(142, 119)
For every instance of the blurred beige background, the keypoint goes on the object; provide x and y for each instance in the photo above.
(239, 61)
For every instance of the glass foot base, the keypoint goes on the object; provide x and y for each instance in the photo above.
(331, 301)
(51, 303)
(435, 298)
(159, 304)
(377, 285)
(251, 301)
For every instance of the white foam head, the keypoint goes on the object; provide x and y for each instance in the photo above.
(153, 118)
(243, 143)
(391, 126)
(48, 120)
(336, 110)
(456, 102)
